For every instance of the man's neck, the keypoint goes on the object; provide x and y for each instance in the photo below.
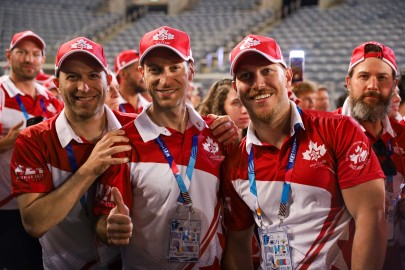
(176, 118)
(25, 86)
(373, 128)
(90, 129)
(274, 131)
(130, 96)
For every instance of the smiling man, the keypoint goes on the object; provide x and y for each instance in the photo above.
(308, 179)
(172, 177)
(55, 163)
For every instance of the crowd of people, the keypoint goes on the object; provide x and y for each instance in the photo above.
(126, 169)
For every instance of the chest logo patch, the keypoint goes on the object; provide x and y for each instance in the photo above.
(210, 146)
(314, 152)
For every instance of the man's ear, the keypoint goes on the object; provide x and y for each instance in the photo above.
(56, 82)
(140, 68)
(191, 71)
(348, 83)
(234, 86)
(109, 79)
(288, 75)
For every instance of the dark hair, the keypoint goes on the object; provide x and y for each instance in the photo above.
(341, 99)
(215, 100)
(371, 48)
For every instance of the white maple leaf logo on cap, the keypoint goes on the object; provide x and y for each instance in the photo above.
(210, 146)
(81, 44)
(28, 33)
(359, 155)
(163, 35)
(249, 42)
(315, 152)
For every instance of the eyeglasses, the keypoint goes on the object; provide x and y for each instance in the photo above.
(381, 150)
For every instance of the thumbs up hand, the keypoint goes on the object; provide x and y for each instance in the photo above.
(119, 224)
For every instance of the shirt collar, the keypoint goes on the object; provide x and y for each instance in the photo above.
(12, 90)
(142, 102)
(251, 138)
(66, 134)
(150, 131)
(387, 128)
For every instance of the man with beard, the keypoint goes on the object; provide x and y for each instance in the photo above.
(55, 162)
(134, 96)
(371, 81)
(24, 103)
(308, 179)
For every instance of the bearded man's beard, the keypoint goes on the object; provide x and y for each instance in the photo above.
(362, 111)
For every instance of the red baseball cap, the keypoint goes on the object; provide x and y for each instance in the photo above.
(265, 46)
(387, 55)
(124, 59)
(80, 45)
(43, 78)
(27, 35)
(166, 37)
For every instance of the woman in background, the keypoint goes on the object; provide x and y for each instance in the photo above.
(222, 99)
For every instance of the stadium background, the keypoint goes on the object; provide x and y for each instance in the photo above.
(327, 30)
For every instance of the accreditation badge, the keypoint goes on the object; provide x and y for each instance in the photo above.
(275, 249)
(185, 235)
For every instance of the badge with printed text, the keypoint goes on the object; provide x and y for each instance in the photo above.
(185, 234)
(276, 249)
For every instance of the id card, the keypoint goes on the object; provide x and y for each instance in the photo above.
(276, 249)
(184, 241)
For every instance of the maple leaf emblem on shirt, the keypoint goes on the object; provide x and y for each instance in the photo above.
(249, 42)
(315, 152)
(359, 155)
(210, 146)
(162, 35)
(81, 44)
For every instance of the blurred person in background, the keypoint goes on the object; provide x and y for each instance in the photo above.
(112, 99)
(133, 94)
(322, 101)
(194, 95)
(306, 93)
(222, 99)
(394, 109)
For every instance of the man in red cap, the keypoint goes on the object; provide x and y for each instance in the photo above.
(168, 216)
(308, 179)
(25, 103)
(371, 81)
(56, 162)
(134, 96)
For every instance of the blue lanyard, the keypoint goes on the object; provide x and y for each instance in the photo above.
(287, 182)
(24, 110)
(122, 109)
(75, 167)
(184, 197)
